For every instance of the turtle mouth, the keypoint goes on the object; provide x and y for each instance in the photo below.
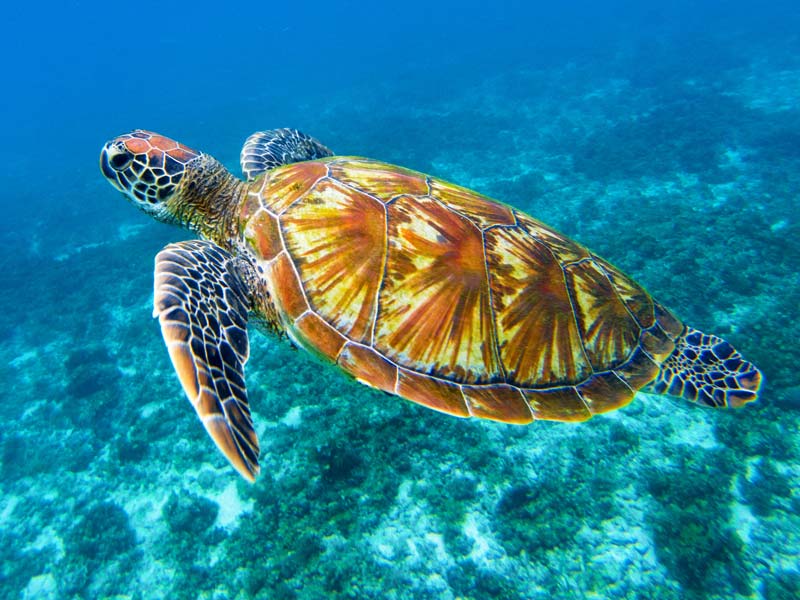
(113, 162)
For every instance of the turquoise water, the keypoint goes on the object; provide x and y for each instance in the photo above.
(665, 139)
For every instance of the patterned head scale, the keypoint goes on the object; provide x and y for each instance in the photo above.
(146, 167)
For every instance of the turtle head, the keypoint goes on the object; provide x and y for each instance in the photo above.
(148, 168)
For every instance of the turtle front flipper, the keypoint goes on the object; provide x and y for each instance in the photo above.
(202, 302)
(707, 370)
(265, 150)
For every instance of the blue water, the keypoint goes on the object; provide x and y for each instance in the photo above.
(664, 136)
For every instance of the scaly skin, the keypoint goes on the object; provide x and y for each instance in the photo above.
(206, 201)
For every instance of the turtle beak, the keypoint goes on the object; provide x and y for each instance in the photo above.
(104, 164)
(114, 160)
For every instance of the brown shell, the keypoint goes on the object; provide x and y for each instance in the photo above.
(447, 298)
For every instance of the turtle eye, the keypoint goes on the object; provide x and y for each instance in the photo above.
(120, 160)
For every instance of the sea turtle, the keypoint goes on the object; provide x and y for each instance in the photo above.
(412, 285)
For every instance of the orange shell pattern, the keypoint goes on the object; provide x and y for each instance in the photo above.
(447, 298)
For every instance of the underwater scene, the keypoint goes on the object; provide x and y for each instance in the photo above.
(665, 137)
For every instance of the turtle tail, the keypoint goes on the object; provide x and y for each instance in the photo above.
(707, 370)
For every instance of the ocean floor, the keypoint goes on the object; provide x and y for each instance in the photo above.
(690, 183)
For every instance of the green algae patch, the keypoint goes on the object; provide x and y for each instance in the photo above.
(690, 528)
(189, 513)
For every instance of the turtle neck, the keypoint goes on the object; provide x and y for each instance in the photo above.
(206, 200)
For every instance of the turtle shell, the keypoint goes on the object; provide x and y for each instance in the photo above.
(447, 298)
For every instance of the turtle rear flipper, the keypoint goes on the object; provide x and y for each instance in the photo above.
(265, 150)
(202, 303)
(708, 370)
